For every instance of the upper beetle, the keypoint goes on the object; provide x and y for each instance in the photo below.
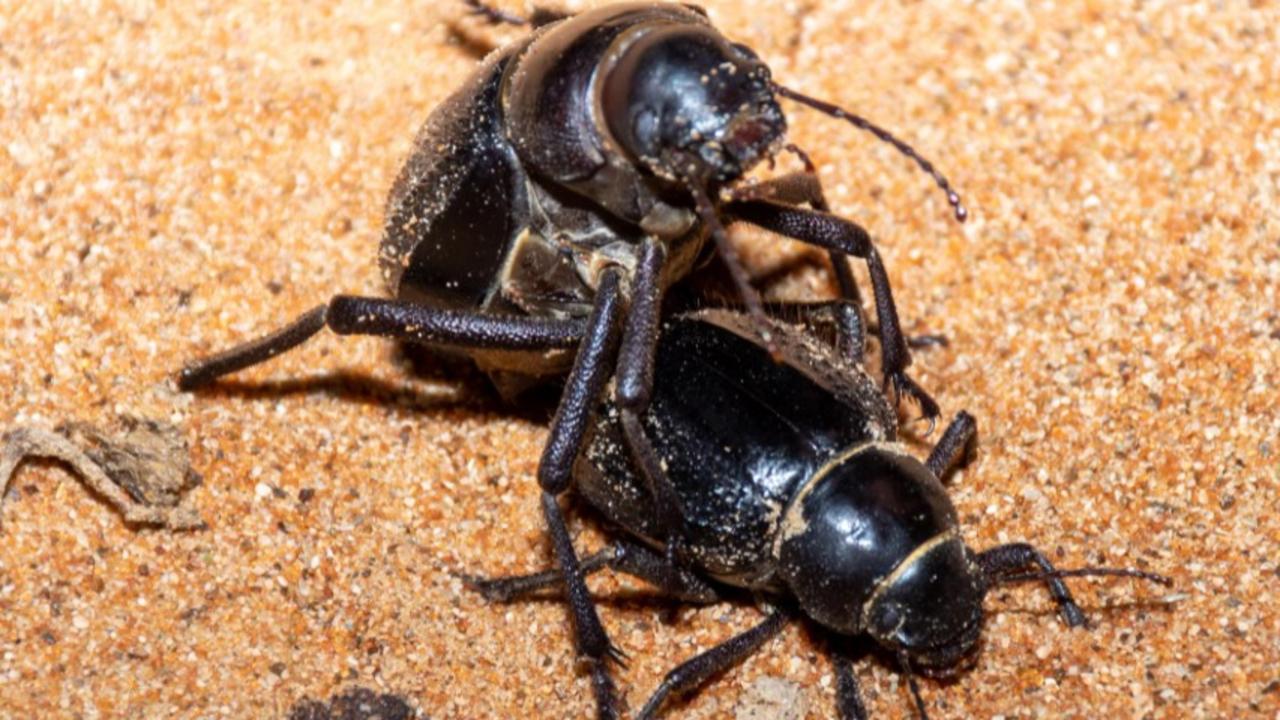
(552, 199)
(781, 473)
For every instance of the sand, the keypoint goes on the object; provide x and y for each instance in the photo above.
(175, 177)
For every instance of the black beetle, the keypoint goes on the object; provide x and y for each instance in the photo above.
(552, 199)
(780, 473)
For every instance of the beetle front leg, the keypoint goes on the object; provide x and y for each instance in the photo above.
(835, 233)
(633, 385)
(804, 188)
(1013, 557)
(591, 370)
(397, 319)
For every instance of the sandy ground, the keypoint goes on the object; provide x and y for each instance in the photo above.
(178, 176)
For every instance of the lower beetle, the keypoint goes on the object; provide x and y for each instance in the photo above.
(780, 473)
(551, 201)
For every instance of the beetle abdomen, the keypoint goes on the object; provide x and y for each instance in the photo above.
(459, 201)
(718, 385)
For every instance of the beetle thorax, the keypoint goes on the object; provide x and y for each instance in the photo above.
(852, 524)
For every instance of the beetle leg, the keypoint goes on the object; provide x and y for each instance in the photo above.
(848, 695)
(540, 16)
(623, 556)
(348, 315)
(1018, 556)
(514, 587)
(660, 571)
(804, 188)
(836, 233)
(698, 669)
(591, 370)
(955, 446)
(633, 385)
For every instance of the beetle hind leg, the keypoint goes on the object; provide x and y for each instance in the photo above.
(397, 319)
(697, 670)
(622, 556)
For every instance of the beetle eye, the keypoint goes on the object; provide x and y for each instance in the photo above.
(887, 620)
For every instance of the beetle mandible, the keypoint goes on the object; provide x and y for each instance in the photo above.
(782, 475)
(553, 198)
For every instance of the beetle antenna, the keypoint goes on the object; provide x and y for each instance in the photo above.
(1084, 572)
(953, 198)
(750, 297)
(905, 662)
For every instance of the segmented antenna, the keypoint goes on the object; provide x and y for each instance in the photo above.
(953, 198)
(1085, 572)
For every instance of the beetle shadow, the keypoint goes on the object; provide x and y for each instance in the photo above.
(455, 383)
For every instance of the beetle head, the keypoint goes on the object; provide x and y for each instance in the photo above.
(691, 106)
(930, 607)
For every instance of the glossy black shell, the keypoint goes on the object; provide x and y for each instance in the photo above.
(739, 434)
(444, 242)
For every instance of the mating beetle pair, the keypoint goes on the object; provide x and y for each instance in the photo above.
(547, 207)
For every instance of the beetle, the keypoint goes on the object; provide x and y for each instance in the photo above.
(551, 201)
(781, 473)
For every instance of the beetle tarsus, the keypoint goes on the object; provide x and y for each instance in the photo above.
(204, 371)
